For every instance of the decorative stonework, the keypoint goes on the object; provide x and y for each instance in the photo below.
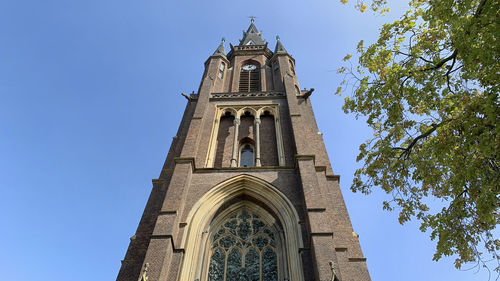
(281, 219)
(238, 110)
(247, 95)
(144, 276)
(250, 247)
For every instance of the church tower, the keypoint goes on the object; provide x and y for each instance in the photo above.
(247, 191)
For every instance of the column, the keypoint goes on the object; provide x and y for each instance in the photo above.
(257, 141)
(279, 139)
(234, 163)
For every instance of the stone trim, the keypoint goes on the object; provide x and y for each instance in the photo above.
(317, 210)
(320, 168)
(265, 216)
(333, 177)
(174, 249)
(184, 160)
(327, 234)
(247, 95)
(174, 212)
(155, 181)
(201, 216)
(128, 261)
(357, 259)
(238, 110)
(299, 157)
(242, 169)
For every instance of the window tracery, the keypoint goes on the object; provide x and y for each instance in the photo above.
(244, 247)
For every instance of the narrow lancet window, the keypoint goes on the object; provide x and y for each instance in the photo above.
(247, 157)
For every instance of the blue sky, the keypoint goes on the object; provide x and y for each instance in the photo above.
(90, 100)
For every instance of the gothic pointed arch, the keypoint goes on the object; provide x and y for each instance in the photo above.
(243, 193)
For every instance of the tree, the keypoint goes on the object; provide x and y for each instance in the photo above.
(429, 88)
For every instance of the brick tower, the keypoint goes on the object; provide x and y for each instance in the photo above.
(247, 191)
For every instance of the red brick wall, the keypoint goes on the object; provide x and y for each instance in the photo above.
(225, 138)
(268, 147)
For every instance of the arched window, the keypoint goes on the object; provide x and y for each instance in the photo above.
(249, 78)
(243, 218)
(244, 247)
(246, 156)
(292, 68)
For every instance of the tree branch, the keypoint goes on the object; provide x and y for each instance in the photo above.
(442, 62)
(407, 150)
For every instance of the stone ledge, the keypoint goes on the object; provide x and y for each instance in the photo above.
(239, 169)
(305, 156)
(167, 213)
(316, 210)
(184, 160)
(155, 181)
(333, 177)
(322, 234)
(356, 259)
(174, 249)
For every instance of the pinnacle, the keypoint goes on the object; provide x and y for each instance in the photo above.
(220, 50)
(279, 49)
(252, 36)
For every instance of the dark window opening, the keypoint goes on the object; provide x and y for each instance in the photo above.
(291, 66)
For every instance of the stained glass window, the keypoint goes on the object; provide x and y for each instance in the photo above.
(244, 248)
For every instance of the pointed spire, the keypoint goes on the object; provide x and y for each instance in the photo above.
(252, 36)
(279, 49)
(220, 50)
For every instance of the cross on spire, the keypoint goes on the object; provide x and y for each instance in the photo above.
(252, 36)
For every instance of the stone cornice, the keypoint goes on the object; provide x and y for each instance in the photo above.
(249, 50)
(248, 95)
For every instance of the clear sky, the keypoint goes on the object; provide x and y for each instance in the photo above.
(89, 103)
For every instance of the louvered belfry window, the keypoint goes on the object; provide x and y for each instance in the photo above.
(249, 78)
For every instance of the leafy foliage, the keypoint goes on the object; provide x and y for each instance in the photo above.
(429, 88)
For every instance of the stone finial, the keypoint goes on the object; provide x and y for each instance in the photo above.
(332, 268)
(144, 276)
(220, 49)
(279, 46)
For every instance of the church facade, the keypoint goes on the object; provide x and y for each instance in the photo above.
(247, 191)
